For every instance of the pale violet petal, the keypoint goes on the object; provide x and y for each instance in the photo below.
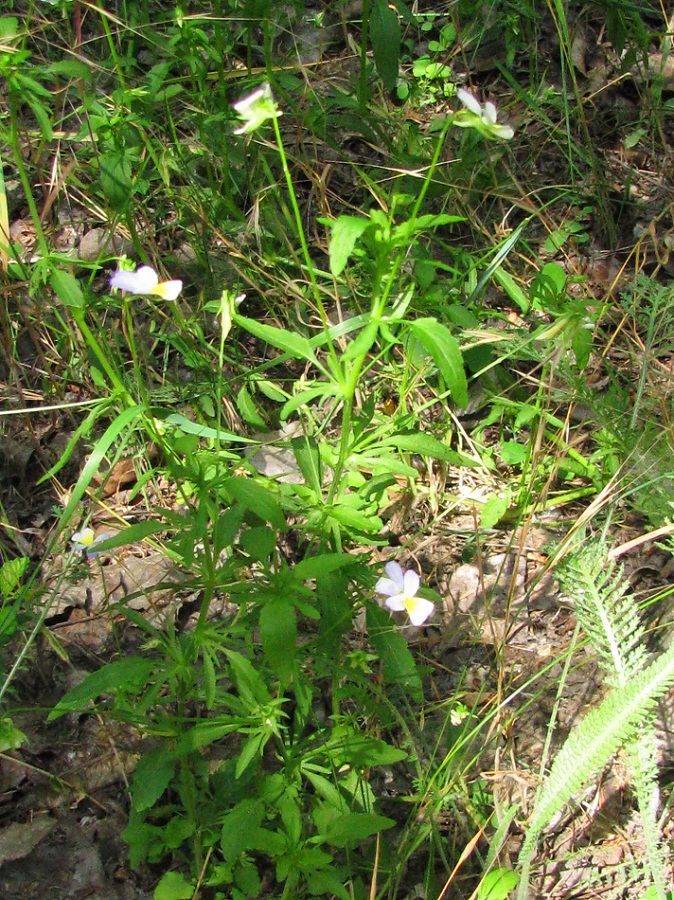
(387, 587)
(91, 552)
(489, 114)
(410, 583)
(396, 603)
(469, 101)
(419, 610)
(247, 103)
(395, 573)
(142, 281)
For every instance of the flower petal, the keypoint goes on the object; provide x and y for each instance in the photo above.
(168, 290)
(489, 113)
(91, 552)
(411, 583)
(387, 587)
(142, 281)
(246, 104)
(256, 108)
(418, 609)
(396, 603)
(503, 131)
(470, 102)
(83, 538)
(395, 573)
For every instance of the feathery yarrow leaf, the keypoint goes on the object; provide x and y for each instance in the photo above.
(589, 747)
(606, 612)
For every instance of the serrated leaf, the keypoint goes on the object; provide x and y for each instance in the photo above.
(256, 498)
(173, 886)
(246, 816)
(278, 630)
(355, 519)
(131, 674)
(326, 883)
(494, 509)
(345, 232)
(11, 574)
(153, 775)
(351, 828)
(600, 734)
(67, 289)
(248, 409)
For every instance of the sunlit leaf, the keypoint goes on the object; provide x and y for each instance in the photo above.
(444, 348)
(345, 232)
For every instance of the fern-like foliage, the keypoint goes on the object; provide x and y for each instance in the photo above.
(610, 618)
(608, 615)
(626, 716)
(642, 763)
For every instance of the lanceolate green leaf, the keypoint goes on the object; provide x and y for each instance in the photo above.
(355, 827)
(130, 674)
(444, 348)
(203, 431)
(131, 535)
(120, 426)
(308, 458)
(345, 232)
(294, 344)
(278, 631)
(67, 289)
(153, 774)
(385, 37)
(424, 445)
(251, 687)
(397, 661)
(256, 498)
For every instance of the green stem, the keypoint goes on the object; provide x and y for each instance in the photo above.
(187, 778)
(25, 181)
(365, 25)
(303, 241)
(131, 340)
(109, 370)
(378, 307)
